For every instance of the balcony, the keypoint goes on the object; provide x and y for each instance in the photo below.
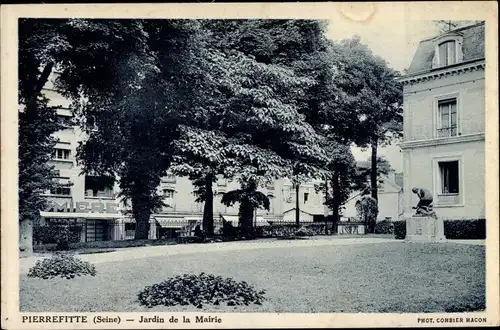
(448, 199)
(447, 132)
(101, 194)
(169, 179)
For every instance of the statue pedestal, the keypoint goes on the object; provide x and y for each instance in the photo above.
(425, 229)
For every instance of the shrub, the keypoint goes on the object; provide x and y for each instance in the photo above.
(400, 229)
(303, 231)
(384, 227)
(465, 229)
(53, 233)
(63, 265)
(367, 211)
(200, 289)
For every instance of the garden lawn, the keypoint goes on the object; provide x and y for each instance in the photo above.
(396, 277)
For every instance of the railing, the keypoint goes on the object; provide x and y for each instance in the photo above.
(448, 199)
(169, 179)
(447, 131)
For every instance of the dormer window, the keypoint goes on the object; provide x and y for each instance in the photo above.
(447, 53)
(448, 50)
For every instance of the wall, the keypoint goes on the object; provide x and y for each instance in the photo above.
(315, 200)
(389, 203)
(420, 106)
(420, 171)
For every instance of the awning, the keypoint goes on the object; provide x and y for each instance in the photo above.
(71, 215)
(199, 218)
(231, 218)
(176, 223)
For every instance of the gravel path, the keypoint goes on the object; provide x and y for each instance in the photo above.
(168, 250)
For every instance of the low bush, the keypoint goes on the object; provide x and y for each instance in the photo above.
(400, 229)
(465, 229)
(61, 265)
(384, 227)
(286, 230)
(58, 232)
(303, 231)
(198, 290)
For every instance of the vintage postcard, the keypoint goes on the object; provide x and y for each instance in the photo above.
(258, 165)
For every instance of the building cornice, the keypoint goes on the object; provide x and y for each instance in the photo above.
(442, 141)
(443, 72)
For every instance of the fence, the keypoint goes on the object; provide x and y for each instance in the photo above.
(90, 230)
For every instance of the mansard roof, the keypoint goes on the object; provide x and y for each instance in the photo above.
(472, 46)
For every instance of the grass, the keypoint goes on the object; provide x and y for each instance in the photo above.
(394, 277)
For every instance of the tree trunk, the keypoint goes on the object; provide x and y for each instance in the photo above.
(326, 210)
(336, 202)
(208, 210)
(26, 237)
(297, 204)
(373, 172)
(246, 215)
(142, 218)
(142, 212)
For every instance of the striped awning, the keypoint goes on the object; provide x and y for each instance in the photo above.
(175, 223)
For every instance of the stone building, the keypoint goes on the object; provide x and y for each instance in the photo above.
(444, 129)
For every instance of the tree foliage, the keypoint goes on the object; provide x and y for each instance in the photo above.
(255, 100)
(362, 176)
(370, 89)
(37, 121)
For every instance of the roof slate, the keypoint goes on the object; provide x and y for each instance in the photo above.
(473, 48)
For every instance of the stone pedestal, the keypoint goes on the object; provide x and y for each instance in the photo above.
(425, 229)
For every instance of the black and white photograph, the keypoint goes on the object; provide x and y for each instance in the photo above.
(168, 171)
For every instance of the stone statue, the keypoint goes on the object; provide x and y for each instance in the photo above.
(424, 206)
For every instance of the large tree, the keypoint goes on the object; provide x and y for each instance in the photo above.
(131, 97)
(40, 43)
(258, 96)
(371, 91)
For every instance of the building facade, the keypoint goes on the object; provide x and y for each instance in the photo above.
(390, 199)
(444, 131)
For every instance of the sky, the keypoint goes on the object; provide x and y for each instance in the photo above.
(396, 41)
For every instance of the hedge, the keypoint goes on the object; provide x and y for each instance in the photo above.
(465, 229)
(384, 227)
(453, 229)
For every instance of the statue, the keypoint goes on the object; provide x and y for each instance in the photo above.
(424, 206)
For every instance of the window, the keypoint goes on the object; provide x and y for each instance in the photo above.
(306, 197)
(61, 191)
(447, 112)
(447, 53)
(168, 193)
(65, 121)
(271, 204)
(99, 186)
(449, 177)
(62, 153)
